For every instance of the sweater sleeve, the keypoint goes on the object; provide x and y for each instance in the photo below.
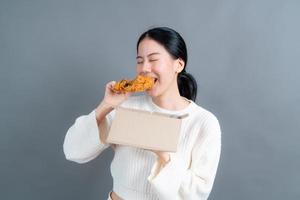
(178, 182)
(82, 141)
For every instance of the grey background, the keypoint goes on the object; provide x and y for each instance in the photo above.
(56, 56)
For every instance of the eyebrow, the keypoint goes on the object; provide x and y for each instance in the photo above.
(151, 54)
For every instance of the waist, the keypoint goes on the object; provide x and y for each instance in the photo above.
(124, 193)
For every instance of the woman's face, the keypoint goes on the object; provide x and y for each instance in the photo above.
(154, 60)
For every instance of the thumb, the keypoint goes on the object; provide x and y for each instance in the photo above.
(111, 84)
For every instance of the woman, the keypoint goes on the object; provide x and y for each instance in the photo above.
(140, 174)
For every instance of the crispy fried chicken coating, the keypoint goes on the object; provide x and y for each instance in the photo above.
(139, 84)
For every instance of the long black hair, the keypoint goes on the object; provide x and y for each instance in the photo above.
(175, 45)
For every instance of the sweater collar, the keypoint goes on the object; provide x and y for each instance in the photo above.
(187, 109)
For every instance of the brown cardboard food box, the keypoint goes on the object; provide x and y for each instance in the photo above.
(144, 129)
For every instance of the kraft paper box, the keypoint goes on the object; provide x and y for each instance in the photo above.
(143, 129)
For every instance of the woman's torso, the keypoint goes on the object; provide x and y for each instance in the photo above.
(131, 166)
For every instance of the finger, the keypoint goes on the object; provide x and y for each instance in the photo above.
(111, 84)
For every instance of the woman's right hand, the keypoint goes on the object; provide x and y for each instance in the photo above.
(111, 100)
(114, 98)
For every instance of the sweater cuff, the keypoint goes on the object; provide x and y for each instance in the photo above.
(92, 130)
(166, 180)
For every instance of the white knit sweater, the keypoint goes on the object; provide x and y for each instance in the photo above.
(136, 173)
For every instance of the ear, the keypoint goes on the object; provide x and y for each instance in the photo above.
(180, 65)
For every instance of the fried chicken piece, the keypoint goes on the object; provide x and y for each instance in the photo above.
(139, 84)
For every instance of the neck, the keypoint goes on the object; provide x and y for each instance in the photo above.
(171, 100)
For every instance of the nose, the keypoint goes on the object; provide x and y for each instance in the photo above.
(146, 67)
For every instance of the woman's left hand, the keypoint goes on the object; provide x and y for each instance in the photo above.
(164, 157)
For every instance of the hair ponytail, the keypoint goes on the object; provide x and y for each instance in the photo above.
(187, 85)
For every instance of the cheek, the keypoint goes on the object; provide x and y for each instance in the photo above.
(138, 69)
(163, 70)
(159, 67)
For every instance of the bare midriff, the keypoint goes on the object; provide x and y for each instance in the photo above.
(114, 196)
